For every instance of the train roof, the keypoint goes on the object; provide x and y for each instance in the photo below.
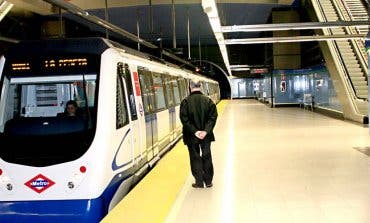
(89, 45)
(92, 46)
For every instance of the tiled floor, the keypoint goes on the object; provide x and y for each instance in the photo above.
(281, 165)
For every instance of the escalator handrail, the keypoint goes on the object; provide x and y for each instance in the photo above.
(367, 5)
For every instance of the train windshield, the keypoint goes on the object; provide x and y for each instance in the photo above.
(47, 120)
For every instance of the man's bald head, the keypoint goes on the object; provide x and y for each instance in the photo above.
(195, 85)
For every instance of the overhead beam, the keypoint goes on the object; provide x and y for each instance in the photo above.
(36, 6)
(294, 26)
(240, 69)
(98, 4)
(9, 40)
(291, 39)
(96, 20)
(245, 66)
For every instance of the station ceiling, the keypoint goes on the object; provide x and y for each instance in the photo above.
(125, 14)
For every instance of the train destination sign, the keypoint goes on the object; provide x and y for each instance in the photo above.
(52, 65)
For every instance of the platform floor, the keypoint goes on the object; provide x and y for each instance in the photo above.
(281, 165)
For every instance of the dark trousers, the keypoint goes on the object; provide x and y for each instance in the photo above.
(201, 164)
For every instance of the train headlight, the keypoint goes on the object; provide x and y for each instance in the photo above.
(83, 169)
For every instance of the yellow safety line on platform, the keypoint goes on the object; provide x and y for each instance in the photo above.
(151, 199)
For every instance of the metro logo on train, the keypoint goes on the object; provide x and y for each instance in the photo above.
(39, 183)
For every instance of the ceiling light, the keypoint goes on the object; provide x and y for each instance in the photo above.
(5, 7)
(210, 8)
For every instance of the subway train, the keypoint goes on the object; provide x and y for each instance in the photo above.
(62, 167)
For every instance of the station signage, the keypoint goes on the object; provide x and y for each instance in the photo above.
(259, 71)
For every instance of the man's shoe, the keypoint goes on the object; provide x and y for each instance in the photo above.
(197, 185)
(209, 185)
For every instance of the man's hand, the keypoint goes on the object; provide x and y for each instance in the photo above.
(203, 134)
(200, 134)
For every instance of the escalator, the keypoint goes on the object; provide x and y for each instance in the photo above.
(357, 12)
(346, 59)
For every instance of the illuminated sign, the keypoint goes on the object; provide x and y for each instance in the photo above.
(71, 62)
(21, 66)
(259, 71)
(53, 65)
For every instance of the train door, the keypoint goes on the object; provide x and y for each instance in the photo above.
(147, 94)
(123, 135)
(161, 109)
(177, 101)
(125, 74)
(171, 106)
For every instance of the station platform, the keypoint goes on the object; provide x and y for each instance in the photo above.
(271, 165)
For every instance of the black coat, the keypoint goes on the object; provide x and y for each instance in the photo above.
(197, 113)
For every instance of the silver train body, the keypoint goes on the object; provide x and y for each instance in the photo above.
(75, 169)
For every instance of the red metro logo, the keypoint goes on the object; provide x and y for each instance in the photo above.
(39, 183)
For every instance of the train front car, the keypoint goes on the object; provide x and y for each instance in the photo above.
(51, 153)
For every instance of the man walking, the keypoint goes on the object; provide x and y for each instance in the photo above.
(198, 115)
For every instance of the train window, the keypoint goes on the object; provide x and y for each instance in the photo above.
(183, 88)
(213, 89)
(176, 91)
(121, 109)
(34, 116)
(48, 99)
(206, 89)
(124, 71)
(203, 88)
(160, 102)
(146, 91)
(187, 88)
(169, 90)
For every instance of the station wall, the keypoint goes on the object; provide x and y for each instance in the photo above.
(292, 87)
